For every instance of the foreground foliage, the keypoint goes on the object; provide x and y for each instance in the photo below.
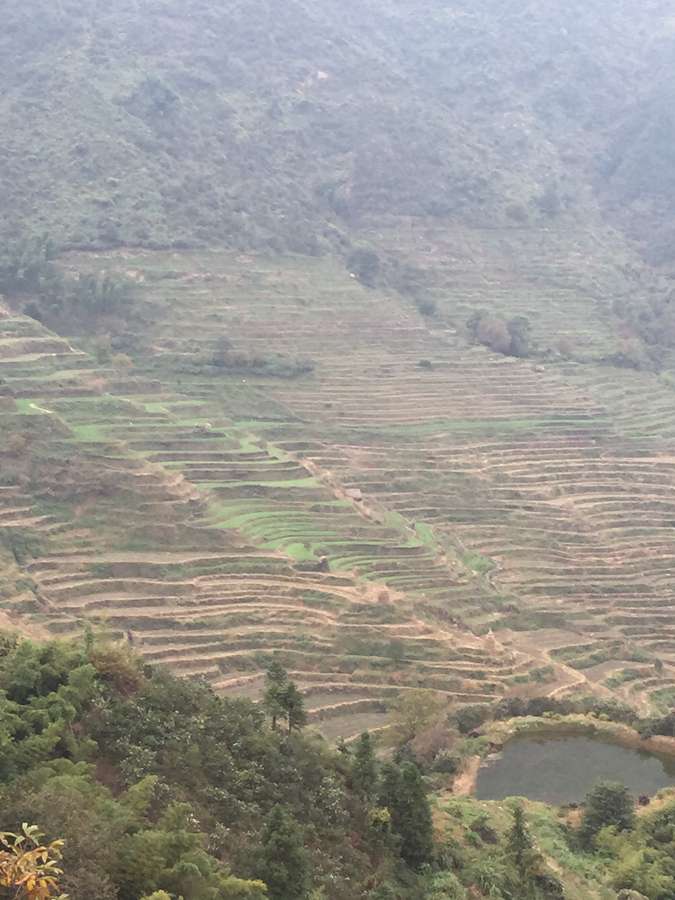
(150, 787)
(156, 784)
(29, 867)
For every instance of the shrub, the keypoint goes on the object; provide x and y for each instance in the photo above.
(447, 763)
(365, 264)
(607, 804)
(510, 338)
(468, 718)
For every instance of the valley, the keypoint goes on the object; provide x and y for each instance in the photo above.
(337, 450)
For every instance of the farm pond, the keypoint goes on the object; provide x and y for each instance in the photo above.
(562, 769)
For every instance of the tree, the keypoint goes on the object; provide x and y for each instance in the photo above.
(28, 866)
(294, 707)
(415, 825)
(493, 332)
(521, 852)
(284, 863)
(642, 872)
(472, 716)
(390, 786)
(222, 351)
(404, 795)
(282, 699)
(414, 711)
(519, 329)
(170, 856)
(511, 338)
(276, 681)
(364, 767)
(519, 842)
(608, 803)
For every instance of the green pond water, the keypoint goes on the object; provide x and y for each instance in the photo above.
(562, 769)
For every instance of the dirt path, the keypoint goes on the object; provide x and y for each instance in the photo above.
(465, 783)
(566, 678)
(339, 492)
(576, 679)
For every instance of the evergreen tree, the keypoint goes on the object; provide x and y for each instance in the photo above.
(276, 682)
(415, 824)
(521, 852)
(364, 767)
(608, 803)
(294, 707)
(284, 864)
(403, 794)
(390, 786)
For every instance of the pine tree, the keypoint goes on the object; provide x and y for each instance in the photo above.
(404, 795)
(390, 786)
(364, 767)
(282, 699)
(521, 852)
(416, 827)
(276, 682)
(294, 707)
(284, 863)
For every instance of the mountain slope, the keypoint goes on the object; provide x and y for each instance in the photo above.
(256, 450)
(167, 123)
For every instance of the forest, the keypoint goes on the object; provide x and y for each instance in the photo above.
(174, 124)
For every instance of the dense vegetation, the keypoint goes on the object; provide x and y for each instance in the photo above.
(155, 784)
(144, 785)
(74, 301)
(501, 851)
(171, 123)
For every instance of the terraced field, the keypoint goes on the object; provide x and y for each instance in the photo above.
(369, 519)
(161, 517)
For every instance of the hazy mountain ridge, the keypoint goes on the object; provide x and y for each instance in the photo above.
(246, 126)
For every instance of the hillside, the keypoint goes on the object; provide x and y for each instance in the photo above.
(229, 124)
(370, 513)
(247, 454)
(156, 785)
(337, 347)
(151, 787)
(238, 451)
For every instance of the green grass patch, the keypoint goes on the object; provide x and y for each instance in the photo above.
(623, 677)
(27, 407)
(89, 434)
(478, 563)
